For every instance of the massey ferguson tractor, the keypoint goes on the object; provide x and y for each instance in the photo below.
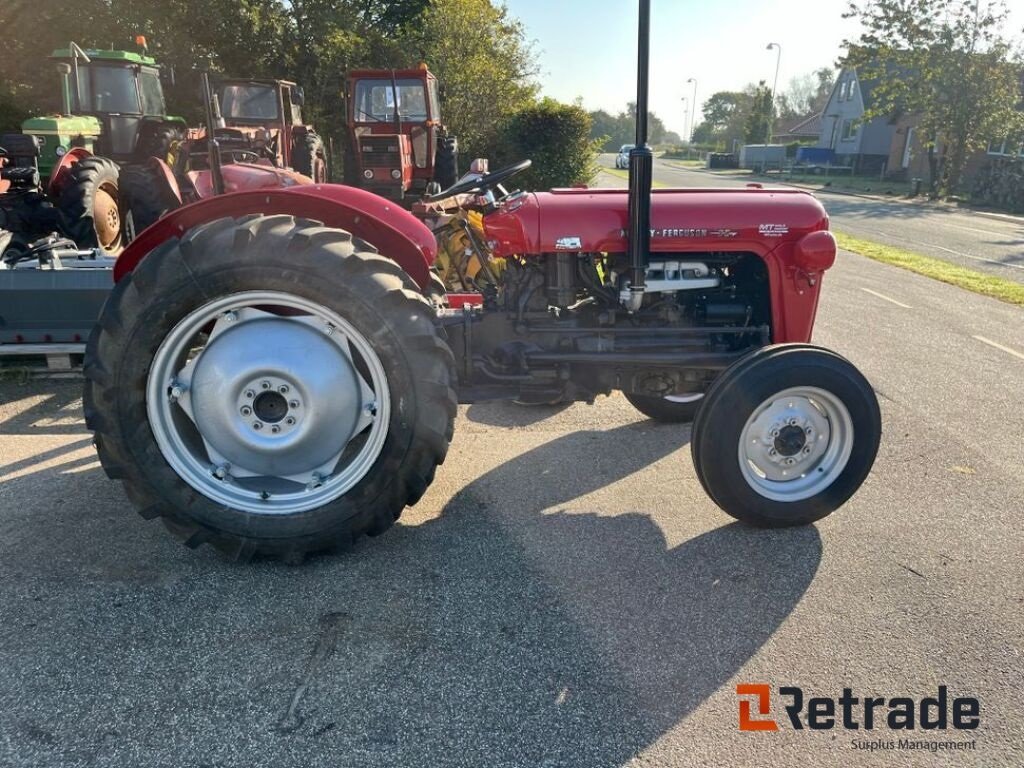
(398, 144)
(268, 375)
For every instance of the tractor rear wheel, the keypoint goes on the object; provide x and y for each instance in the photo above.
(89, 205)
(786, 435)
(308, 158)
(673, 409)
(145, 198)
(269, 386)
(446, 165)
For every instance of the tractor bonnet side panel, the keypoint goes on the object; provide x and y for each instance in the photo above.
(768, 223)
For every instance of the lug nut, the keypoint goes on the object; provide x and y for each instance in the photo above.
(275, 429)
(246, 410)
(250, 394)
(293, 404)
(265, 385)
(290, 421)
(257, 426)
(283, 389)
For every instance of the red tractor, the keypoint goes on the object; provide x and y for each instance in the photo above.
(398, 144)
(269, 376)
(267, 114)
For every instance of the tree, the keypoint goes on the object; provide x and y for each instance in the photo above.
(484, 64)
(725, 114)
(758, 124)
(807, 94)
(948, 63)
(616, 130)
(557, 137)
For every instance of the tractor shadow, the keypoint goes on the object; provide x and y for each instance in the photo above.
(503, 413)
(541, 618)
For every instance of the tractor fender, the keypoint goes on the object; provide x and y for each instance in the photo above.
(59, 177)
(395, 232)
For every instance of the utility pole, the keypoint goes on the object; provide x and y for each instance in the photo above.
(775, 85)
(693, 108)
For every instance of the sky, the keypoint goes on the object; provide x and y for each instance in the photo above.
(587, 48)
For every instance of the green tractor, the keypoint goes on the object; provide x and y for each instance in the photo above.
(112, 105)
(112, 114)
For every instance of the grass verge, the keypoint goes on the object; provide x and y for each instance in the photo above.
(937, 269)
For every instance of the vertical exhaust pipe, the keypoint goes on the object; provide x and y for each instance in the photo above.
(641, 171)
(213, 120)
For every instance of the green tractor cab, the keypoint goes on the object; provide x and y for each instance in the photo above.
(113, 105)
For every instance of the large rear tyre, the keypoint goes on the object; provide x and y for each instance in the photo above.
(90, 205)
(269, 386)
(145, 198)
(673, 409)
(309, 157)
(786, 435)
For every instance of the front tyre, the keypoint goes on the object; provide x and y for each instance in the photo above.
(786, 435)
(269, 386)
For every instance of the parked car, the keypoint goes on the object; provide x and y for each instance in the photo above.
(622, 159)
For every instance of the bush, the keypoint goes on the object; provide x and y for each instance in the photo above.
(556, 137)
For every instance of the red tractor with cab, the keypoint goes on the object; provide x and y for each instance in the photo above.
(398, 145)
(268, 115)
(277, 371)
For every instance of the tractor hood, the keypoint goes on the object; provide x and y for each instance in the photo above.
(595, 220)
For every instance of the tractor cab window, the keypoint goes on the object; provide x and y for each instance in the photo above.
(435, 99)
(375, 101)
(152, 93)
(249, 102)
(110, 89)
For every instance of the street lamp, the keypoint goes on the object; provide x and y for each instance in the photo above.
(775, 84)
(686, 117)
(693, 108)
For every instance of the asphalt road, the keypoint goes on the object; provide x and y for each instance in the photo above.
(564, 595)
(992, 244)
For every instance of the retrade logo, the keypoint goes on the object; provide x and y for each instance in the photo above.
(763, 695)
(849, 712)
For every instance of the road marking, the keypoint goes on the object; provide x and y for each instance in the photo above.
(999, 346)
(886, 298)
(951, 251)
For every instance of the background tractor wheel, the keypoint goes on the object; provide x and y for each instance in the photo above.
(269, 405)
(786, 435)
(308, 158)
(446, 166)
(89, 205)
(145, 198)
(160, 142)
(674, 409)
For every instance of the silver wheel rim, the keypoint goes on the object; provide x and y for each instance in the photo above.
(267, 402)
(693, 397)
(795, 444)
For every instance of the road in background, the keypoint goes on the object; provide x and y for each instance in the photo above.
(981, 242)
(564, 595)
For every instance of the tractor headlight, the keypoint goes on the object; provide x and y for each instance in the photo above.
(396, 174)
(60, 151)
(367, 174)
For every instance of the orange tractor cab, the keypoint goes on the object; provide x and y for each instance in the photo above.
(265, 116)
(398, 146)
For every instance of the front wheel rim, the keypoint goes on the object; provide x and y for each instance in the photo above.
(268, 402)
(796, 444)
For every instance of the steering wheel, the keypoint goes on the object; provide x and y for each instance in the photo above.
(483, 182)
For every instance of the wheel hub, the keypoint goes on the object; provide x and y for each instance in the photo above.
(796, 443)
(268, 402)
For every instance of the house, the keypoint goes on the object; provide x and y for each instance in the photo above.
(864, 146)
(806, 129)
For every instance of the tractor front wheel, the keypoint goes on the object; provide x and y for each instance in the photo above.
(786, 435)
(269, 386)
(90, 205)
